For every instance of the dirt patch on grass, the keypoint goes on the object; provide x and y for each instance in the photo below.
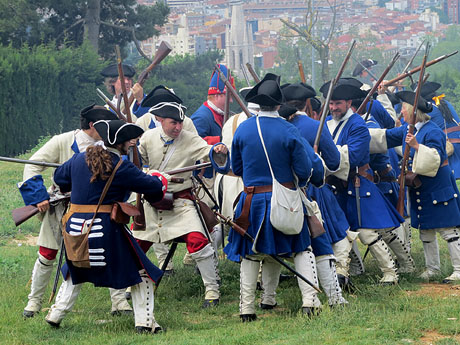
(436, 290)
(432, 337)
(29, 240)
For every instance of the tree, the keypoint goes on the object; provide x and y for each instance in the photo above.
(103, 22)
(317, 36)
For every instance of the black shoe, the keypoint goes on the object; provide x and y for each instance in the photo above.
(53, 324)
(259, 287)
(158, 329)
(388, 283)
(168, 273)
(267, 306)
(142, 329)
(310, 311)
(208, 303)
(345, 283)
(128, 295)
(248, 317)
(122, 312)
(284, 277)
(27, 314)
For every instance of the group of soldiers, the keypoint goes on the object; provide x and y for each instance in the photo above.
(349, 182)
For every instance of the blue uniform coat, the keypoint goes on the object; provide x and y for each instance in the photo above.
(115, 256)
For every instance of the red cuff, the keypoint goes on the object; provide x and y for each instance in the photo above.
(163, 180)
(212, 140)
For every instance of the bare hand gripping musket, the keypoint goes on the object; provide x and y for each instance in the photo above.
(377, 84)
(405, 160)
(235, 94)
(415, 70)
(245, 235)
(329, 95)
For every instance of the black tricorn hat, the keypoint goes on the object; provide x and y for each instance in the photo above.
(297, 92)
(287, 110)
(346, 89)
(160, 94)
(267, 92)
(409, 97)
(244, 91)
(366, 63)
(117, 131)
(95, 113)
(111, 71)
(428, 89)
(315, 104)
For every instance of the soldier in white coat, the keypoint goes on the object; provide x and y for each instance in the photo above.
(169, 147)
(58, 149)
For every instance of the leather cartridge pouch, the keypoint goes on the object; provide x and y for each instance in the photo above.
(412, 180)
(165, 204)
(208, 216)
(122, 212)
(315, 226)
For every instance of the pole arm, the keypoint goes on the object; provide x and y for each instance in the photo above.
(235, 94)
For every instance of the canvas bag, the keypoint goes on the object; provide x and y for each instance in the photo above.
(286, 210)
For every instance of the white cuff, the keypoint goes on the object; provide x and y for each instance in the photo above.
(378, 142)
(426, 161)
(344, 167)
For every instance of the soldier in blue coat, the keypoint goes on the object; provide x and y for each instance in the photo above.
(333, 246)
(115, 258)
(288, 155)
(366, 208)
(434, 197)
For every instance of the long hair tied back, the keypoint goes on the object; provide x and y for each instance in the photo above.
(99, 162)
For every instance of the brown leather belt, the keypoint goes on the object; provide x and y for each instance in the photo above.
(453, 140)
(452, 129)
(243, 219)
(382, 176)
(184, 194)
(362, 171)
(76, 208)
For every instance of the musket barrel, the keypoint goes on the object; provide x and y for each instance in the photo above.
(235, 95)
(25, 161)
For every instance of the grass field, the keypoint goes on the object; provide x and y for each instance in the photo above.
(409, 313)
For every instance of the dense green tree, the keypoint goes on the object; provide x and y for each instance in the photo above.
(104, 22)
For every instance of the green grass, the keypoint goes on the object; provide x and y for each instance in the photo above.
(375, 314)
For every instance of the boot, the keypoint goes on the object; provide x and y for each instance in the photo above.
(205, 261)
(453, 244)
(380, 252)
(356, 262)
(404, 259)
(65, 300)
(431, 252)
(342, 255)
(143, 304)
(270, 279)
(119, 303)
(305, 264)
(328, 279)
(161, 251)
(249, 270)
(40, 277)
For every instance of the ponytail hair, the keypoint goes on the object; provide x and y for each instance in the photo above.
(99, 162)
(445, 111)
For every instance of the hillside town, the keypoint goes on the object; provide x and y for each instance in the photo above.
(249, 30)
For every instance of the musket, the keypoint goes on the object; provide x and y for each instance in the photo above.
(245, 74)
(369, 110)
(253, 73)
(377, 84)
(304, 80)
(415, 70)
(25, 161)
(405, 160)
(58, 271)
(21, 214)
(110, 104)
(163, 51)
(235, 94)
(245, 235)
(412, 58)
(329, 95)
(171, 252)
(365, 68)
(138, 221)
(357, 185)
(227, 106)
